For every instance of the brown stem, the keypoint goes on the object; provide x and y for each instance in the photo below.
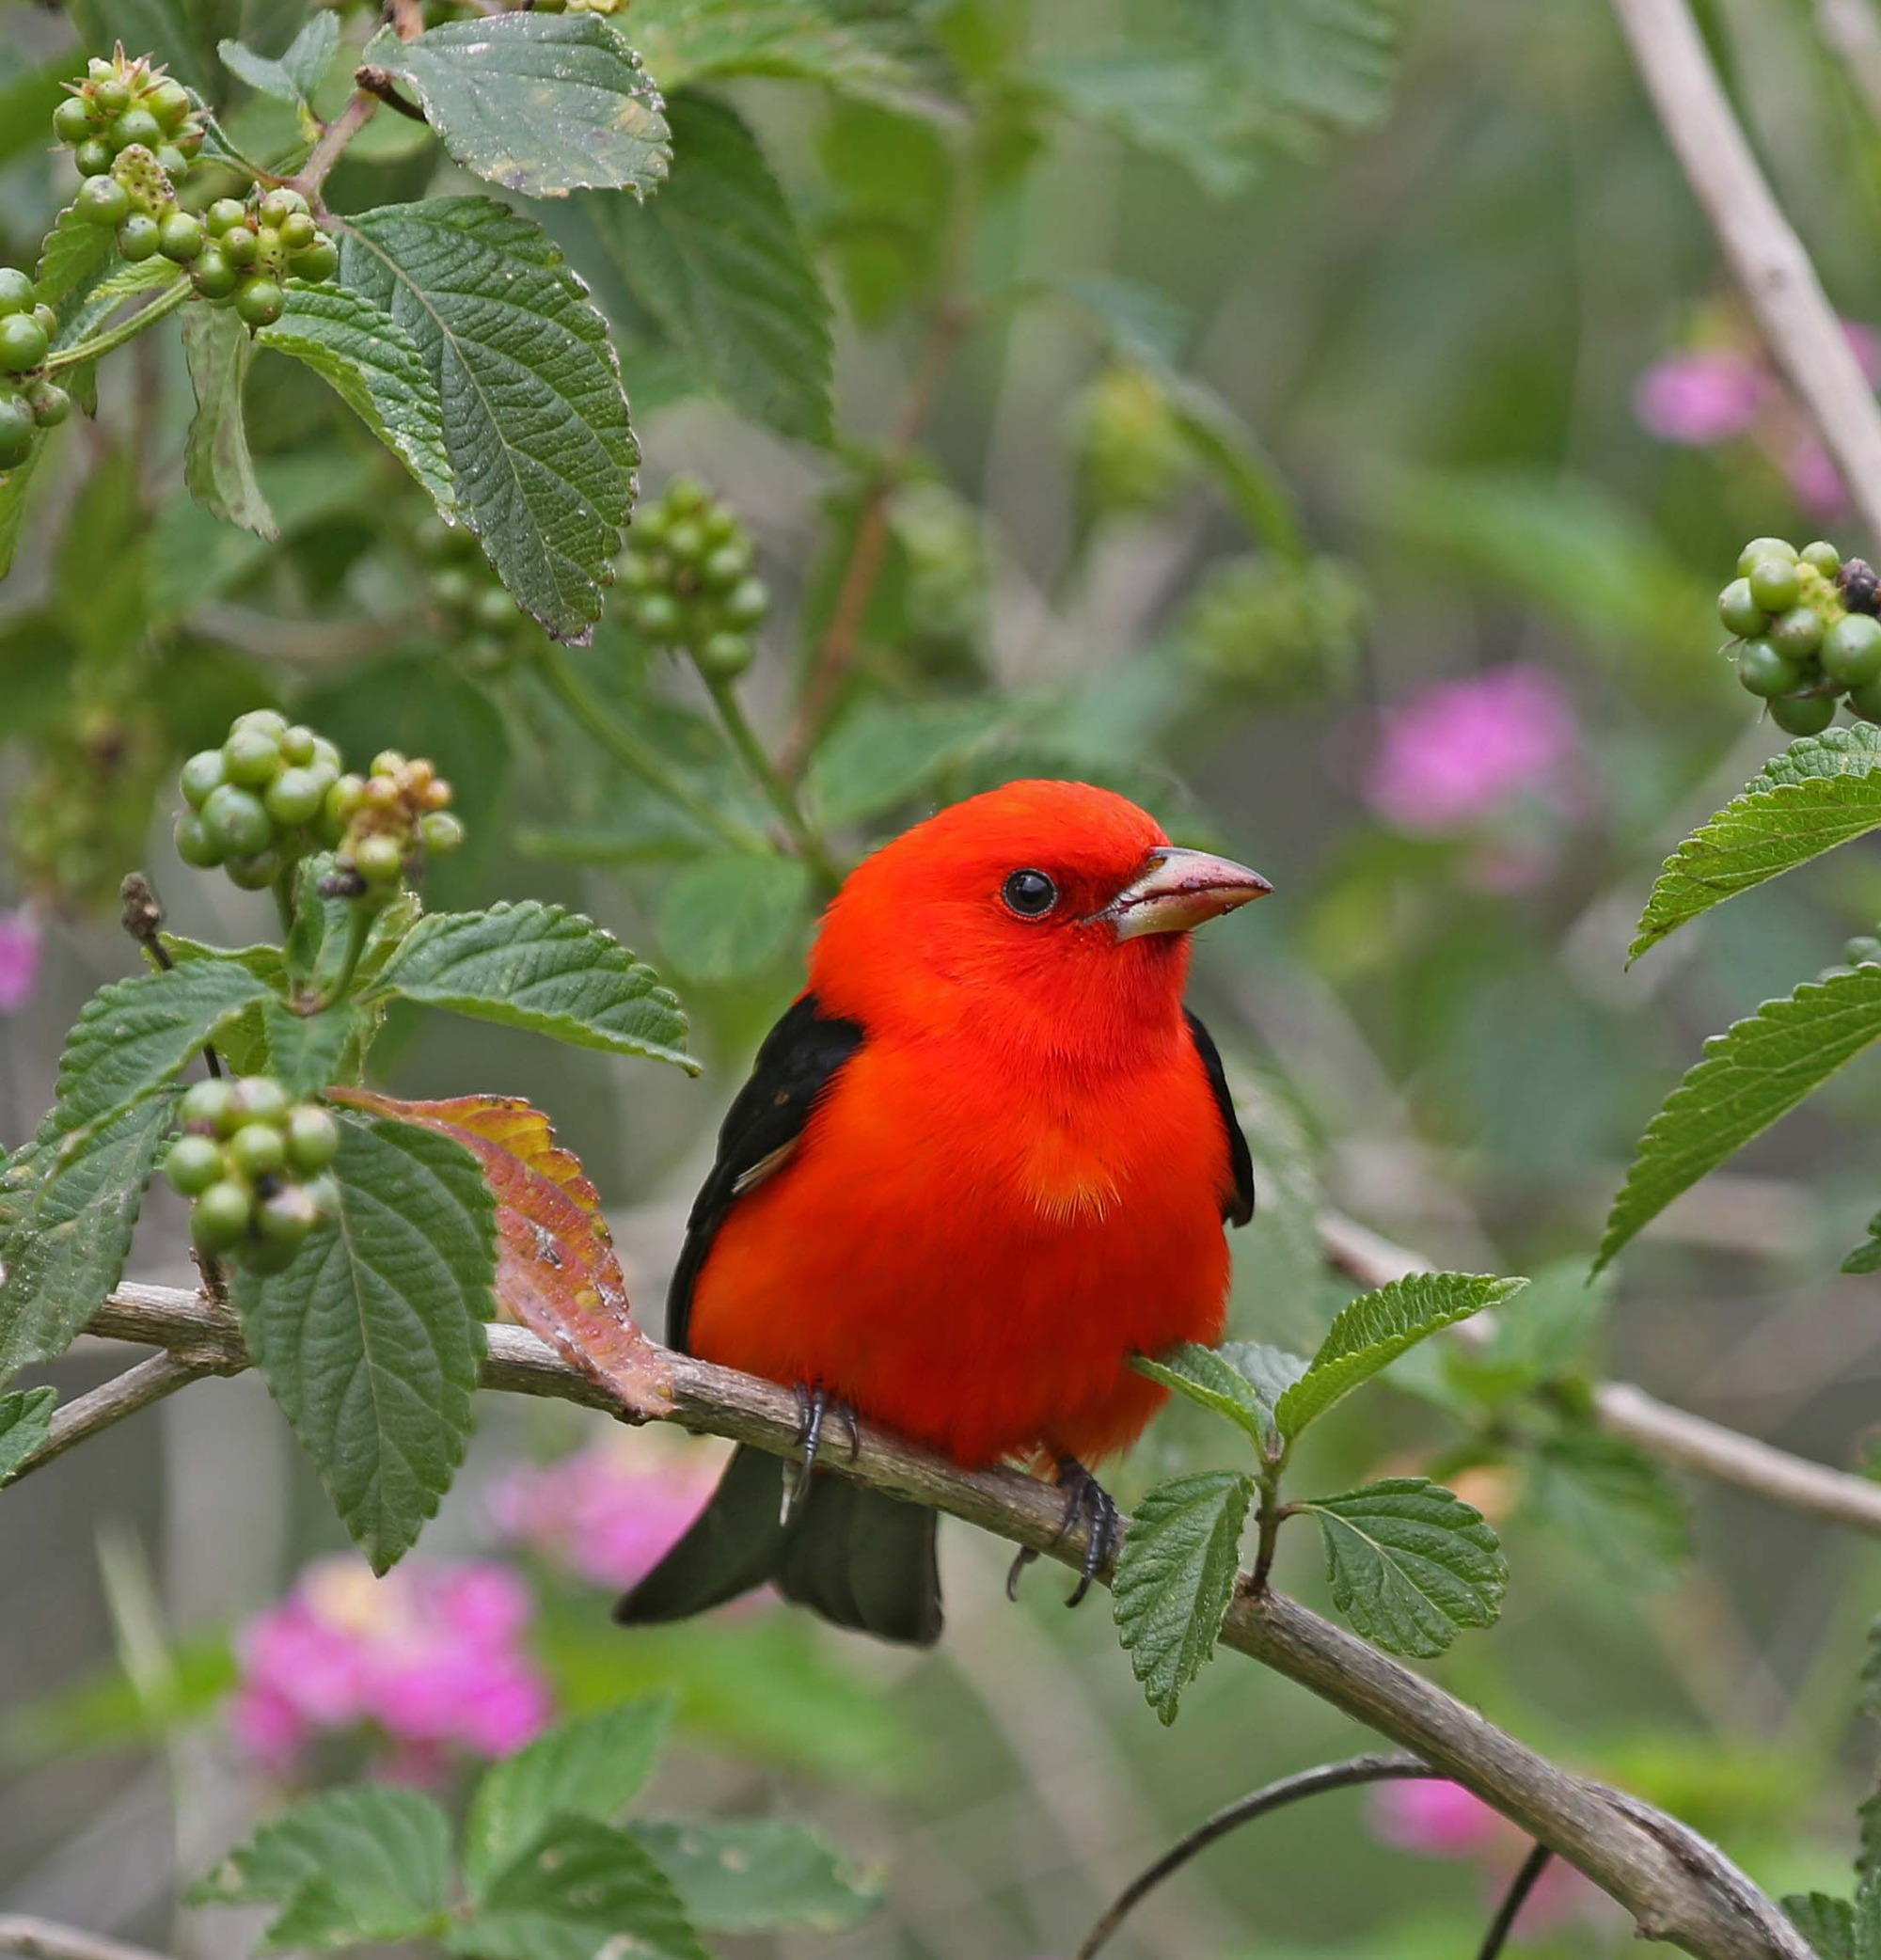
(334, 138)
(377, 83)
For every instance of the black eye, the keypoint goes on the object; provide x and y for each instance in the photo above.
(1029, 894)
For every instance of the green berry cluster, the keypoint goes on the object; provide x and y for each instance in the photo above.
(124, 106)
(1129, 448)
(1806, 632)
(1278, 631)
(688, 576)
(29, 400)
(268, 796)
(246, 250)
(391, 821)
(477, 613)
(255, 1163)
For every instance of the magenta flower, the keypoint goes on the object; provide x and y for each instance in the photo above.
(1439, 1820)
(1815, 480)
(20, 945)
(427, 1660)
(1700, 399)
(610, 1513)
(1465, 751)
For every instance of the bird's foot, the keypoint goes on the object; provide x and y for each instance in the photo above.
(814, 1406)
(1085, 1498)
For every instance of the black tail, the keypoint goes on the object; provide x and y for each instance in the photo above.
(859, 1558)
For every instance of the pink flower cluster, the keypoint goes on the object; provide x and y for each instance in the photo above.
(1719, 394)
(19, 941)
(610, 1513)
(429, 1659)
(1443, 1820)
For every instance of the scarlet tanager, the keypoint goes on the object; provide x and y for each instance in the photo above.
(983, 1160)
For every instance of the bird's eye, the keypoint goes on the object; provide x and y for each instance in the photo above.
(1029, 894)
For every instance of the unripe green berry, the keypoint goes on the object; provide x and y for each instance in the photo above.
(259, 302)
(1740, 612)
(235, 819)
(72, 120)
(103, 201)
(268, 722)
(451, 588)
(342, 804)
(213, 274)
(49, 403)
(389, 762)
(195, 843)
(326, 755)
(324, 1192)
(314, 1138)
(16, 290)
(135, 126)
(93, 158)
(294, 797)
(298, 231)
(722, 525)
(139, 237)
(251, 757)
(656, 616)
(169, 101)
(687, 495)
(255, 872)
(724, 567)
(494, 608)
(16, 434)
(634, 571)
(1824, 557)
(319, 261)
(438, 830)
(257, 1150)
(1797, 633)
(202, 773)
(260, 1099)
(181, 237)
(1760, 549)
(1764, 672)
(378, 860)
(194, 1164)
(685, 544)
(299, 746)
(649, 523)
(1851, 651)
(48, 319)
(207, 1104)
(22, 344)
(1775, 583)
(286, 1216)
(172, 162)
(1866, 701)
(747, 603)
(224, 215)
(1806, 715)
(239, 245)
(221, 1215)
(724, 655)
(112, 94)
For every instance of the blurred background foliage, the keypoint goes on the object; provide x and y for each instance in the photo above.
(1326, 426)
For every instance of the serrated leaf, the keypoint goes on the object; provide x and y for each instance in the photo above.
(791, 40)
(1174, 1580)
(1826, 1923)
(305, 1050)
(81, 277)
(719, 264)
(535, 425)
(886, 753)
(1207, 1378)
(1377, 1328)
(755, 1877)
(1823, 791)
(539, 967)
(370, 1340)
(593, 1767)
(365, 1863)
(298, 71)
(580, 1888)
(1605, 1495)
(730, 916)
(544, 104)
(376, 368)
(1756, 1071)
(1410, 1563)
(557, 1271)
(1312, 64)
(217, 469)
(1185, 108)
(25, 1425)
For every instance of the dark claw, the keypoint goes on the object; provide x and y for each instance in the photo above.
(814, 1405)
(1085, 1496)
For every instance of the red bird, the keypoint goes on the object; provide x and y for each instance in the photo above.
(984, 1160)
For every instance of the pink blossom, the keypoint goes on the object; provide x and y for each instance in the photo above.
(1463, 751)
(1700, 399)
(20, 945)
(428, 1659)
(610, 1513)
(1815, 480)
(1865, 344)
(1439, 1820)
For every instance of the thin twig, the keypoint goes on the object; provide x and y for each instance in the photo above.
(334, 138)
(45, 1939)
(1245, 1809)
(111, 1402)
(1678, 1888)
(378, 82)
(1527, 1878)
(803, 834)
(1764, 254)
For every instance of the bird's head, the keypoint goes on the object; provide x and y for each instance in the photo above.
(1053, 913)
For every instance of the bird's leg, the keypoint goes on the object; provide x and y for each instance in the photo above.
(814, 1405)
(1084, 1497)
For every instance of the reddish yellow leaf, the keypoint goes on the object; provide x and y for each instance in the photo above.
(556, 1268)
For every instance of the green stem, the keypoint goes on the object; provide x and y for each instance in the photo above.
(125, 329)
(283, 890)
(359, 930)
(628, 747)
(1269, 1517)
(810, 845)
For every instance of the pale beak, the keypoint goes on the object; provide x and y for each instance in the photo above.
(1178, 888)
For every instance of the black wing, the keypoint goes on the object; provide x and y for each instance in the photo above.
(799, 1060)
(1242, 1208)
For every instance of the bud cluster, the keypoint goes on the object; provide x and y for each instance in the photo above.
(687, 576)
(392, 819)
(29, 400)
(255, 1163)
(1806, 632)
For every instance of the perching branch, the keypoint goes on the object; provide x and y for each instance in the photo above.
(111, 1402)
(43, 1940)
(1765, 256)
(1678, 1888)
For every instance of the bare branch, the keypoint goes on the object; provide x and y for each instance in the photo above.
(1678, 1888)
(45, 1939)
(136, 1388)
(1764, 254)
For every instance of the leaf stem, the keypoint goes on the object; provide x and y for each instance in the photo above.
(359, 930)
(1268, 1519)
(628, 747)
(125, 329)
(810, 845)
(333, 141)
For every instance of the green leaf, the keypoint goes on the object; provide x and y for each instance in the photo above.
(544, 104)
(1377, 1328)
(535, 424)
(371, 1340)
(886, 754)
(1313, 65)
(1757, 1071)
(1411, 1564)
(300, 69)
(1211, 1381)
(717, 262)
(25, 1425)
(580, 1888)
(376, 368)
(1826, 1923)
(1174, 1580)
(28, 95)
(305, 1051)
(754, 1878)
(590, 1767)
(365, 1863)
(729, 917)
(1230, 451)
(217, 469)
(538, 967)
(1821, 791)
(1552, 1336)
(1613, 1502)
(889, 182)
(1181, 106)
(14, 485)
(179, 33)
(788, 40)
(81, 275)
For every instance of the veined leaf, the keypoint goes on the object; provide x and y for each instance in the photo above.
(1612, 1501)
(1371, 1333)
(1757, 1071)
(790, 40)
(1825, 1922)
(217, 468)
(305, 1050)
(1411, 1564)
(731, 915)
(535, 966)
(886, 753)
(1821, 791)
(371, 1340)
(540, 103)
(557, 1271)
(1175, 1577)
(376, 368)
(1211, 1381)
(535, 424)
(593, 1767)
(25, 1425)
(1183, 106)
(298, 72)
(754, 1877)
(1313, 64)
